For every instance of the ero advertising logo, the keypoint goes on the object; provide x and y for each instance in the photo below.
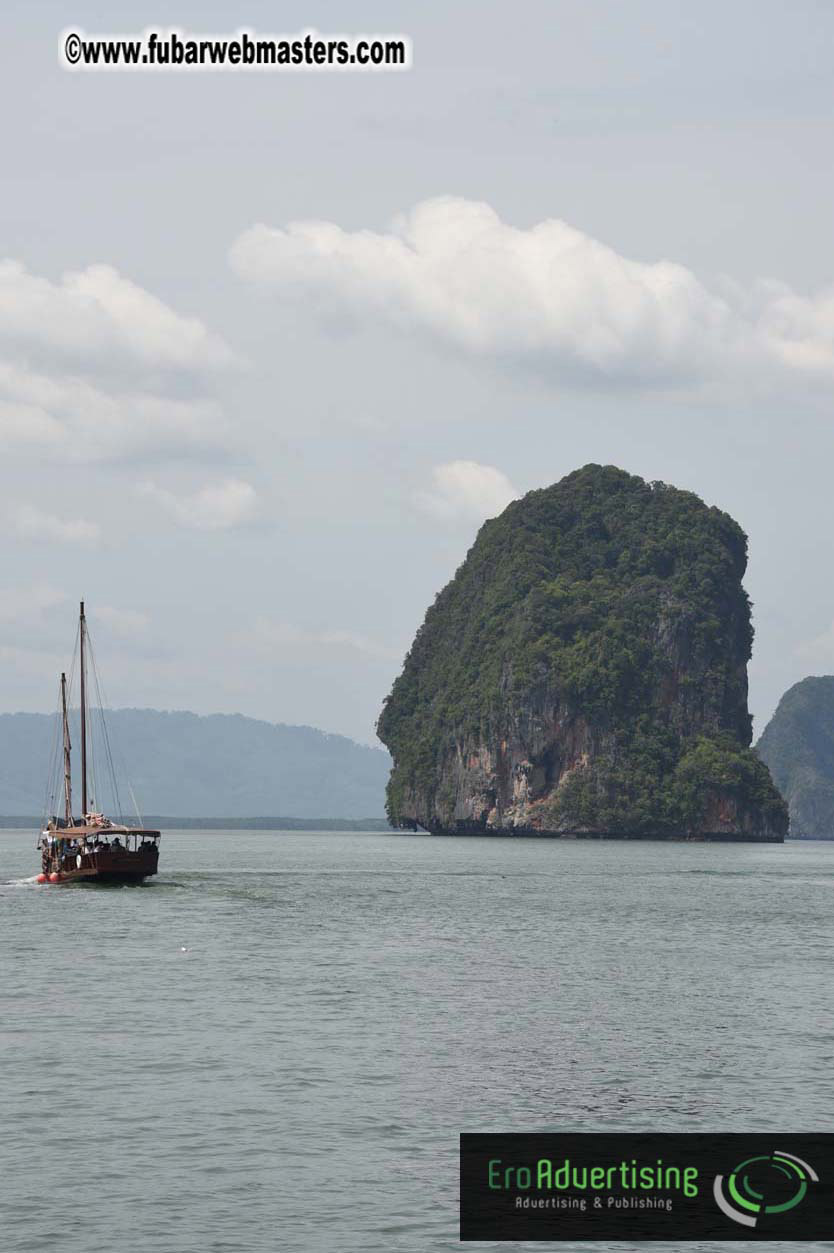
(637, 1187)
(773, 1183)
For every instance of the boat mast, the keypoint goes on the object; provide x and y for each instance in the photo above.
(67, 751)
(82, 629)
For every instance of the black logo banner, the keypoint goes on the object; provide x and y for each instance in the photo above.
(634, 1187)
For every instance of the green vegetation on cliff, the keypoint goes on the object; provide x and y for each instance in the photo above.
(798, 746)
(604, 608)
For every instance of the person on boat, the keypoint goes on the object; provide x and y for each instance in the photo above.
(116, 844)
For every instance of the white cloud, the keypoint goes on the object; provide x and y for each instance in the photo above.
(97, 312)
(466, 489)
(215, 507)
(28, 604)
(95, 368)
(80, 422)
(548, 295)
(125, 623)
(266, 632)
(35, 524)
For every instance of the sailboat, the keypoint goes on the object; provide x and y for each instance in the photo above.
(94, 848)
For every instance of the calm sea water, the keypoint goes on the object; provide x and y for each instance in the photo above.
(275, 1044)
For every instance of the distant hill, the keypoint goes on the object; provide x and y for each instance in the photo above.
(798, 746)
(223, 765)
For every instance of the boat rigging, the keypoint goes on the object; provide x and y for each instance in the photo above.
(96, 848)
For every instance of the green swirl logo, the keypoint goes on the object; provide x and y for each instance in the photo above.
(771, 1184)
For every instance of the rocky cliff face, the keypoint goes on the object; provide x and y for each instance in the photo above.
(585, 673)
(798, 747)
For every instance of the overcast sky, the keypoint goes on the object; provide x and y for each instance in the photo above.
(273, 346)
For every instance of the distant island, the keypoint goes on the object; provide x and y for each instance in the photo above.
(167, 822)
(585, 673)
(798, 746)
(225, 765)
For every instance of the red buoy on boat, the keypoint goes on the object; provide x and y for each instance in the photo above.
(41, 878)
(54, 877)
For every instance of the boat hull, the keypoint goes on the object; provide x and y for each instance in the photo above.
(105, 877)
(105, 866)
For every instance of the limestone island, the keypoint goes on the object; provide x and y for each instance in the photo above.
(798, 748)
(585, 674)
